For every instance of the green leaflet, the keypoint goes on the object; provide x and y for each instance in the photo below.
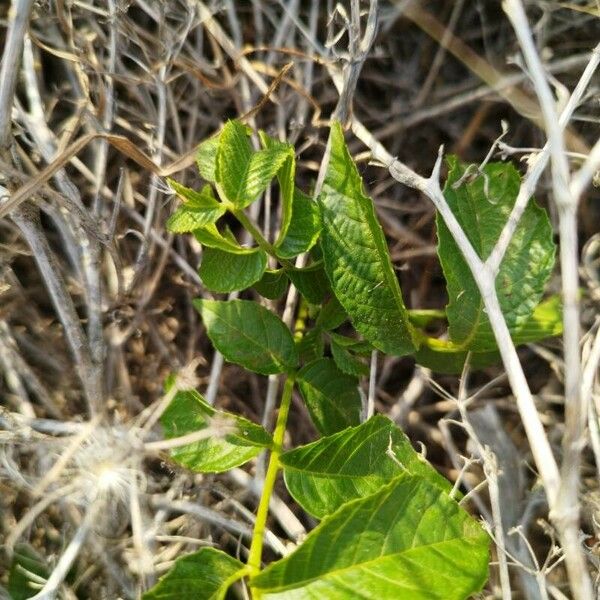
(203, 575)
(285, 177)
(406, 541)
(352, 464)
(273, 284)
(304, 227)
(356, 257)
(199, 209)
(332, 315)
(525, 269)
(446, 357)
(311, 345)
(235, 440)
(241, 173)
(26, 568)
(223, 272)
(311, 282)
(206, 157)
(331, 396)
(250, 335)
(345, 359)
(211, 237)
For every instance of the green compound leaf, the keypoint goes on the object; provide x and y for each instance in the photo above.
(331, 396)
(27, 570)
(250, 335)
(356, 256)
(199, 209)
(482, 207)
(203, 575)
(311, 282)
(230, 442)
(273, 284)
(241, 173)
(223, 272)
(407, 541)
(304, 228)
(352, 464)
(206, 158)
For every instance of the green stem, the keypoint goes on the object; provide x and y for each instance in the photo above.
(254, 558)
(258, 237)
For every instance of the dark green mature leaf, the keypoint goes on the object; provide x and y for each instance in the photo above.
(250, 335)
(332, 315)
(203, 575)
(351, 464)
(407, 541)
(311, 282)
(199, 209)
(27, 569)
(311, 345)
(331, 396)
(227, 272)
(304, 227)
(482, 207)
(241, 173)
(233, 440)
(346, 360)
(206, 158)
(356, 256)
(273, 284)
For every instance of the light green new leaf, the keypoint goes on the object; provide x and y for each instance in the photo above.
(356, 256)
(407, 541)
(482, 207)
(230, 440)
(273, 284)
(351, 464)
(223, 272)
(199, 209)
(304, 228)
(206, 157)
(250, 335)
(331, 396)
(203, 575)
(241, 173)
